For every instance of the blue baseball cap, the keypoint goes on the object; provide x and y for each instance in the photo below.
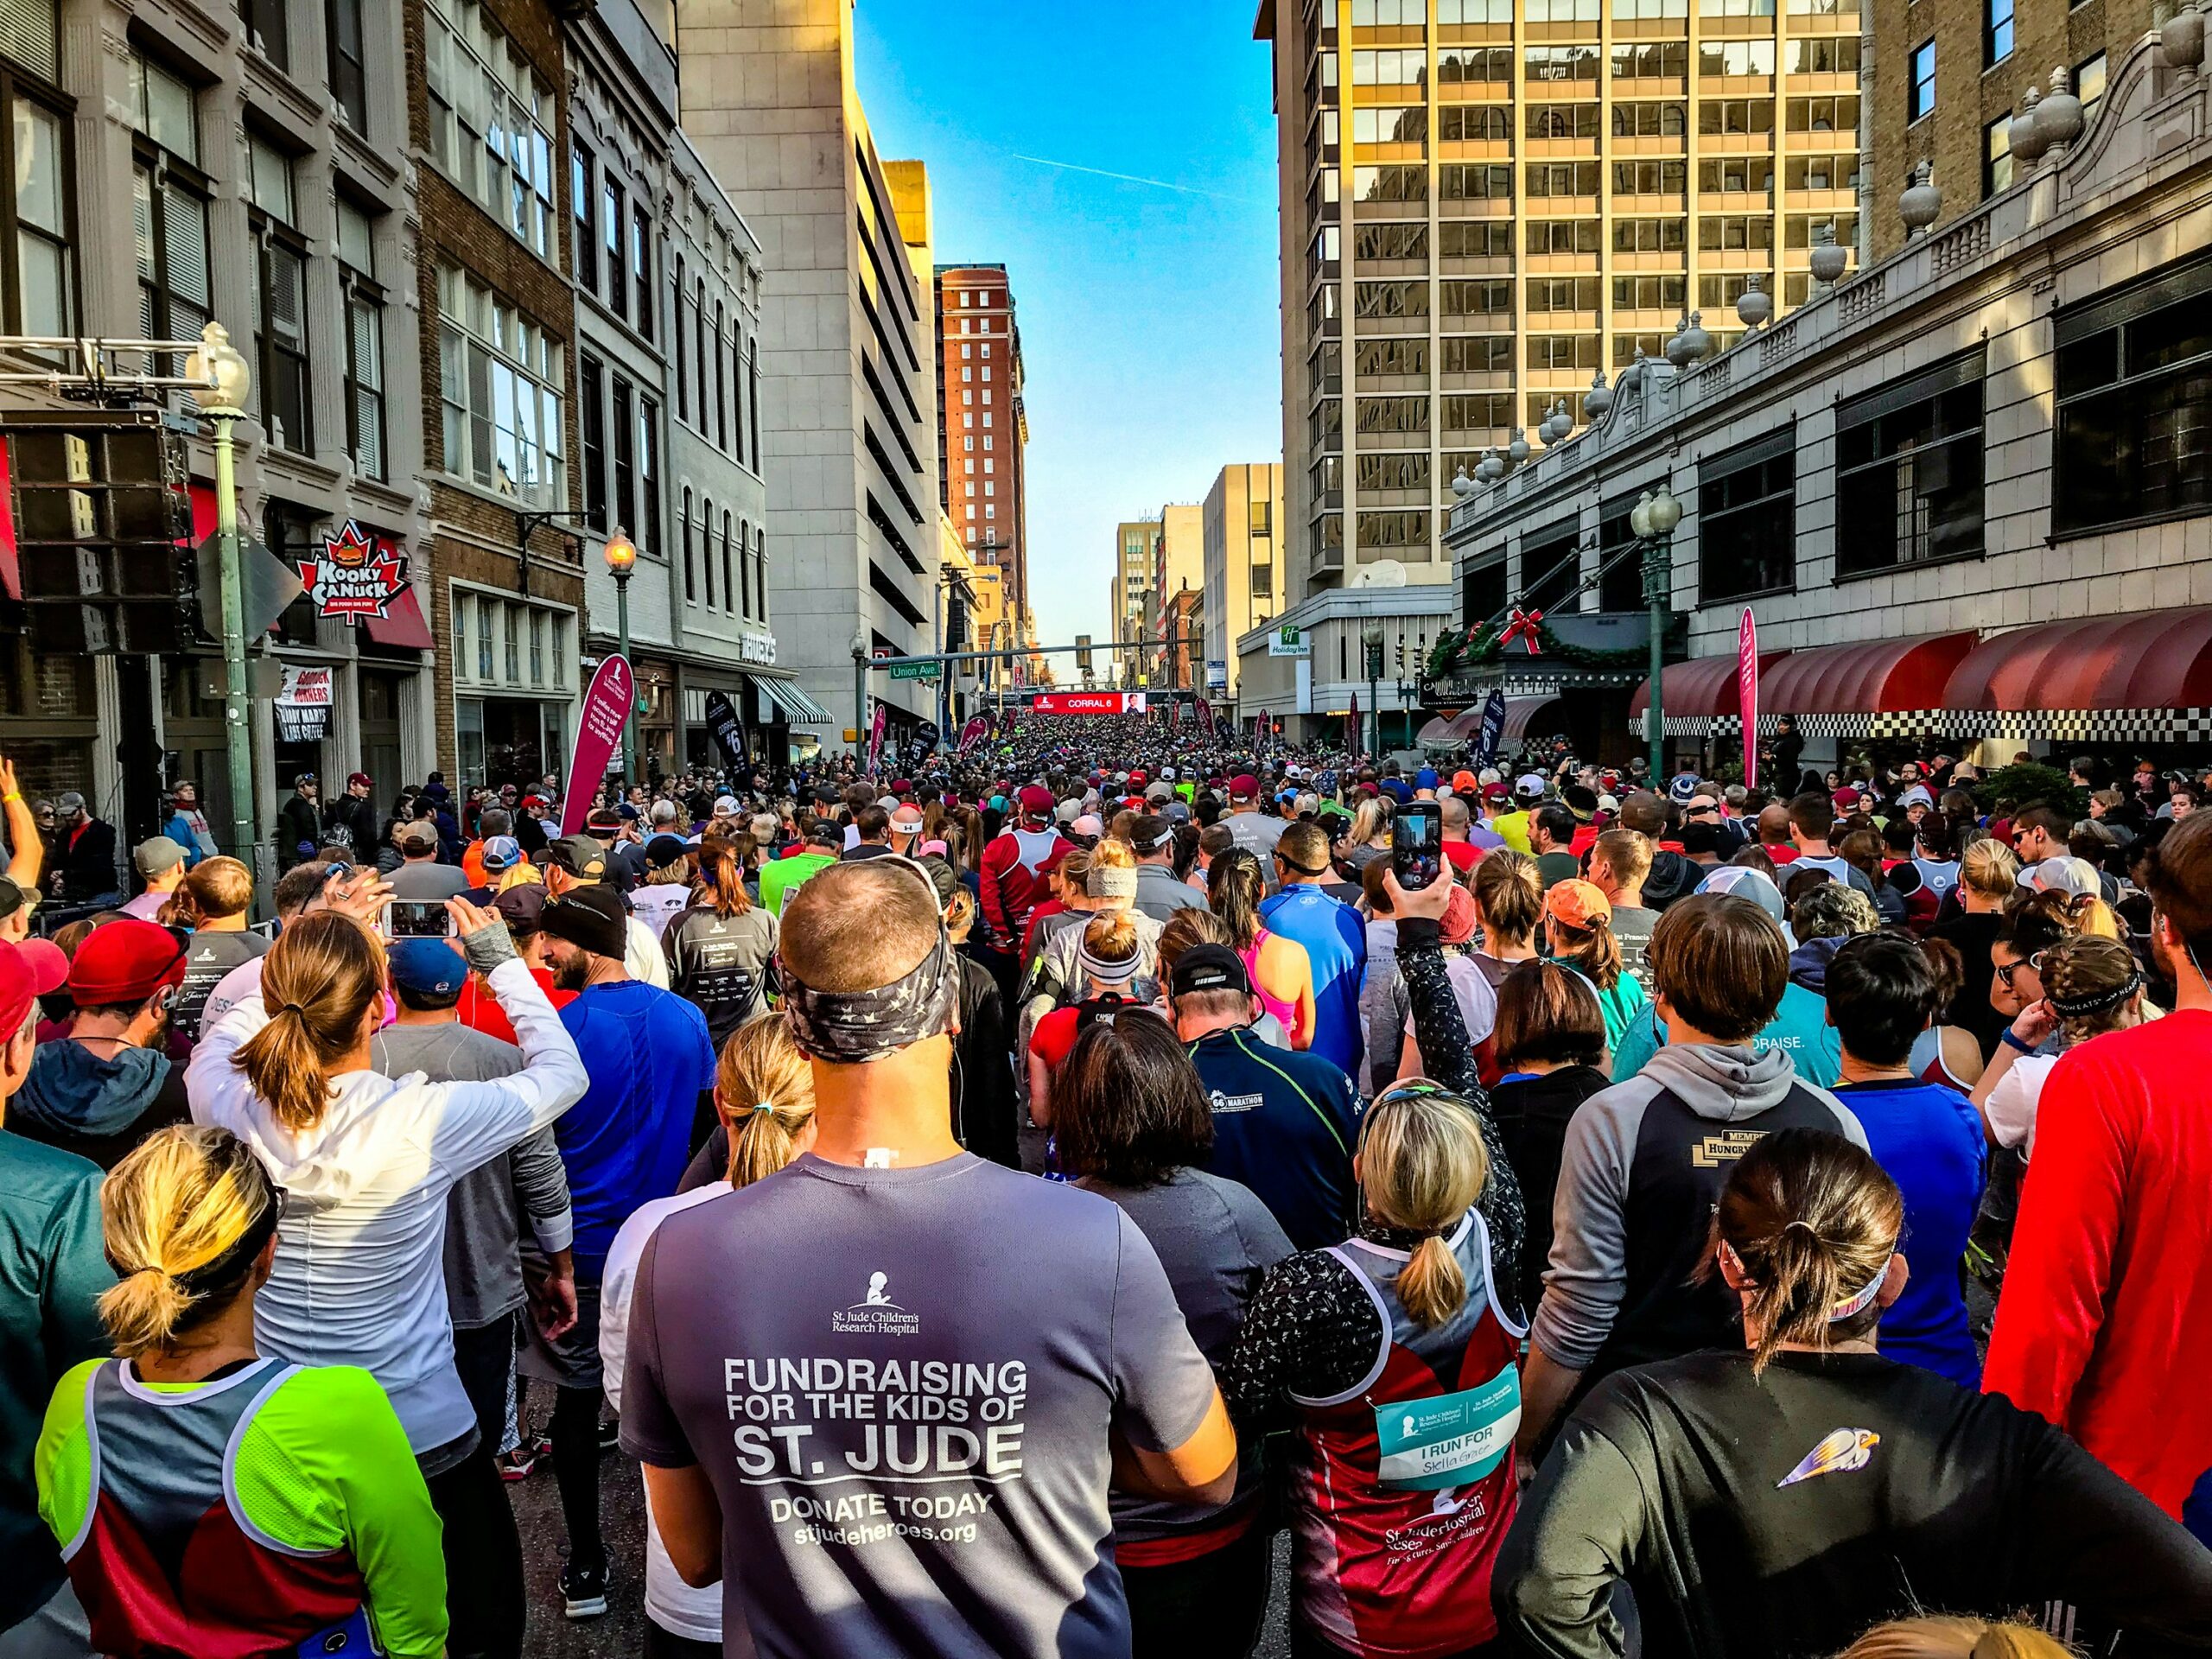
(1424, 779)
(502, 853)
(428, 967)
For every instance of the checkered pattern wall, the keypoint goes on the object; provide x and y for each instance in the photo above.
(2051, 725)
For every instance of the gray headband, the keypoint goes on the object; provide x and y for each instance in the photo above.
(1109, 881)
(859, 1027)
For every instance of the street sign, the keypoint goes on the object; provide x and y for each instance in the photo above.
(930, 671)
(266, 585)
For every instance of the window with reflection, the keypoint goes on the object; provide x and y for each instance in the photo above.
(2134, 427)
(1909, 470)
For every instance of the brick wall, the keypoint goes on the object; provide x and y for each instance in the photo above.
(2045, 33)
(473, 538)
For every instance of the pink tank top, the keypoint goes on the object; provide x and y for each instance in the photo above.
(1285, 1012)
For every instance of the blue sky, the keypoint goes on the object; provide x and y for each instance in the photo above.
(1150, 316)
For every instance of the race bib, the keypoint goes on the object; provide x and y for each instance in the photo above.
(1453, 1439)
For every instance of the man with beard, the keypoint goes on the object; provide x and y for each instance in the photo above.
(2099, 1327)
(626, 1142)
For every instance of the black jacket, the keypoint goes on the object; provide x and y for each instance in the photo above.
(88, 867)
(1532, 1114)
(358, 818)
(298, 820)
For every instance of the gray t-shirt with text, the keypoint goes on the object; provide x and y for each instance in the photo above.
(901, 1383)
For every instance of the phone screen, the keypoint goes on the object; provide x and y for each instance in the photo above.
(417, 918)
(1417, 845)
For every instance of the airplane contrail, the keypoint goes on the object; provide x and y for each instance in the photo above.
(1131, 178)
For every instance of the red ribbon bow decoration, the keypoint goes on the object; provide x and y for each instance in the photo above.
(1521, 624)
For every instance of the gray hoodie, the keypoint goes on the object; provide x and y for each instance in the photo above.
(1642, 1170)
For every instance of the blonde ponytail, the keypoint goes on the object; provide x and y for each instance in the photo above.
(183, 1200)
(1955, 1638)
(1422, 1166)
(764, 1089)
(317, 983)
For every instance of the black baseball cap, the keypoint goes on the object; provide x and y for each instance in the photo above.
(1209, 967)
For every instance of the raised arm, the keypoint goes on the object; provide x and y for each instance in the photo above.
(26, 851)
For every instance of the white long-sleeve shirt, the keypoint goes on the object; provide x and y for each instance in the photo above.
(359, 1277)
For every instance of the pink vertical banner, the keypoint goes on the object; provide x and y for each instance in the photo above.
(875, 740)
(607, 702)
(1747, 694)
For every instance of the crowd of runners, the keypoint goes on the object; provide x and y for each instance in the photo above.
(987, 1197)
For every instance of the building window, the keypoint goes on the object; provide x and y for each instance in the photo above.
(721, 381)
(612, 204)
(625, 458)
(1920, 82)
(266, 30)
(1997, 156)
(729, 569)
(641, 267)
(364, 298)
(1996, 32)
(676, 329)
(760, 568)
(34, 195)
(707, 538)
(170, 206)
(582, 199)
(2134, 434)
(703, 355)
(1908, 470)
(2089, 83)
(491, 119)
(499, 382)
(737, 382)
(648, 533)
(349, 74)
(1746, 527)
(591, 387)
(279, 296)
(690, 554)
(744, 568)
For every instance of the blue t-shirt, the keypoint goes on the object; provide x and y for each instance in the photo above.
(1336, 943)
(627, 1141)
(1929, 1139)
(1285, 1124)
(1799, 1028)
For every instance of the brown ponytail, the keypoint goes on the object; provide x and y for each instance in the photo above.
(1592, 952)
(721, 875)
(766, 1092)
(1814, 1221)
(317, 983)
(1423, 1166)
(185, 1196)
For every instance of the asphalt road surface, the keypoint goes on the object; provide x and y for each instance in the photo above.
(621, 1633)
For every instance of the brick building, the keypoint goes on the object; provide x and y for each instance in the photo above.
(983, 475)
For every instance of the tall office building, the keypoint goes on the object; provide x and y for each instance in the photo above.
(983, 423)
(848, 393)
(1486, 203)
(1944, 84)
(1179, 567)
(1243, 563)
(1130, 601)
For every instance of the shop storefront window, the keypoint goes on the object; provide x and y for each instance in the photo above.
(2134, 438)
(1908, 470)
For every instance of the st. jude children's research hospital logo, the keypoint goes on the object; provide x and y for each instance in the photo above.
(875, 1314)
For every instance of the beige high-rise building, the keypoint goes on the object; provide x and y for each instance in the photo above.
(849, 372)
(1487, 203)
(1243, 565)
(1179, 566)
(1129, 603)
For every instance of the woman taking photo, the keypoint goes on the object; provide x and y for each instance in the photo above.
(1578, 934)
(1134, 1126)
(1471, 988)
(283, 1496)
(1774, 1501)
(1281, 971)
(719, 951)
(366, 1163)
(764, 1094)
(1393, 1360)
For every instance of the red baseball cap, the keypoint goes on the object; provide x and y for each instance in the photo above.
(28, 971)
(360, 778)
(1244, 787)
(1495, 792)
(1037, 801)
(124, 960)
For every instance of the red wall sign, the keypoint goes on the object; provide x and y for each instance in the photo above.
(355, 577)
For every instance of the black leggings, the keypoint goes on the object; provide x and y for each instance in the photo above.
(575, 1432)
(483, 1551)
(484, 1357)
(1212, 1604)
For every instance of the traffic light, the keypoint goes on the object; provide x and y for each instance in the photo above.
(101, 524)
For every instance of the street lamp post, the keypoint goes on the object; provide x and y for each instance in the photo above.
(1652, 521)
(858, 646)
(223, 401)
(621, 558)
(1371, 636)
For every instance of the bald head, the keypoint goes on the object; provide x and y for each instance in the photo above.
(859, 926)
